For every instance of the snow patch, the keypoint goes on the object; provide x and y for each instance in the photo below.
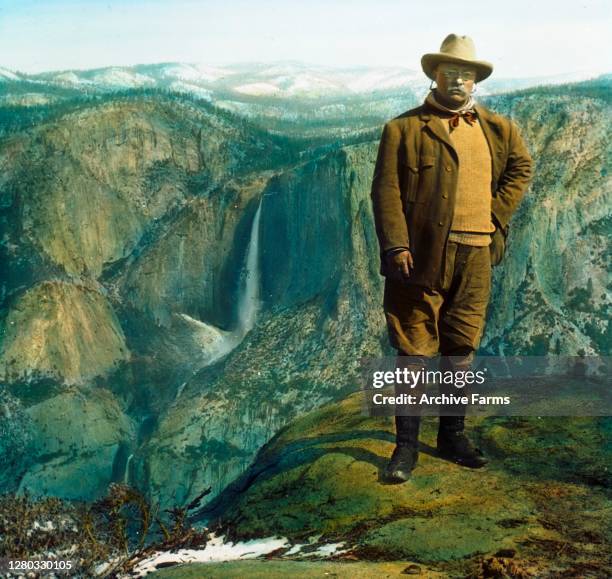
(216, 551)
(212, 73)
(180, 86)
(69, 78)
(122, 78)
(258, 89)
(6, 74)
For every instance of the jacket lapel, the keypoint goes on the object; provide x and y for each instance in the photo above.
(433, 123)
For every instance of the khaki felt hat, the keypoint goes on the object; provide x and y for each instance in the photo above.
(459, 49)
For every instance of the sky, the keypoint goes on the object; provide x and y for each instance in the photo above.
(522, 38)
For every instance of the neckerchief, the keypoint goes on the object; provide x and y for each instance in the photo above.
(465, 111)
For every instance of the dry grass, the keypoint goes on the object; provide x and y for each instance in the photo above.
(120, 530)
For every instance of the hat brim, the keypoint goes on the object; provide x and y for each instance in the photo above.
(431, 60)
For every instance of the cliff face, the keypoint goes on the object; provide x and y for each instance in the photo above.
(173, 265)
(79, 436)
(190, 262)
(85, 201)
(61, 331)
(552, 293)
(82, 192)
(111, 219)
(307, 218)
(319, 314)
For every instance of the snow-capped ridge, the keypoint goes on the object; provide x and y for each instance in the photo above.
(6, 74)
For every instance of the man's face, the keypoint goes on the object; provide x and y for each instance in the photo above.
(455, 81)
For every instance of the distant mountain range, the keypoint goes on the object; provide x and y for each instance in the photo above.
(289, 97)
(282, 80)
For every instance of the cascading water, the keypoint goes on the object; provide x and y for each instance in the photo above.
(216, 343)
(126, 474)
(248, 303)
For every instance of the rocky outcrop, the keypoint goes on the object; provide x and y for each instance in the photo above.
(61, 331)
(320, 479)
(80, 442)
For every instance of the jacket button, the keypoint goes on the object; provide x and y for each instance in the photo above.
(440, 223)
(444, 196)
(448, 168)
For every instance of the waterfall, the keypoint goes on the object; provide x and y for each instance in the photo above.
(126, 474)
(216, 343)
(248, 302)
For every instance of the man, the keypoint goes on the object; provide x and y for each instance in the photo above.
(448, 177)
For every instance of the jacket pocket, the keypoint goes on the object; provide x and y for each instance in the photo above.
(419, 178)
(427, 161)
(412, 181)
(427, 178)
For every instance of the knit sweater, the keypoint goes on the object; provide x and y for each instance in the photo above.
(472, 223)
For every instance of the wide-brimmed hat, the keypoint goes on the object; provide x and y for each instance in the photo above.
(459, 49)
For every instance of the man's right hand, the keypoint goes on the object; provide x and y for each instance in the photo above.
(399, 265)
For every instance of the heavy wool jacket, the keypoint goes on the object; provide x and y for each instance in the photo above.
(415, 181)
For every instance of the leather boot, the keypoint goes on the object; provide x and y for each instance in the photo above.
(454, 445)
(406, 453)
